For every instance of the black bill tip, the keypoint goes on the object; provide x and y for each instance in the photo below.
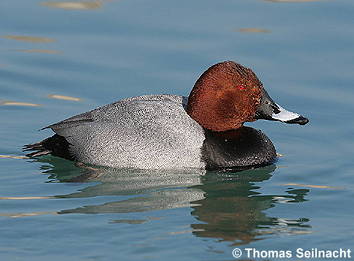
(299, 120)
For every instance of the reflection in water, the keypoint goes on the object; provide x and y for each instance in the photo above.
(253, 30)
(31, 39)
(39, 51)
(63, 97)
(291, 1)
(225, 205)
(28, 214)
(86, 5)
(15, 103)
(233, 211)
(12, 157)
(312, 186)
(27, 198)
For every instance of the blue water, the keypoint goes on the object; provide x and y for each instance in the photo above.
(102, 51)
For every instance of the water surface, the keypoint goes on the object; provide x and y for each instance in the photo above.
(62, 58)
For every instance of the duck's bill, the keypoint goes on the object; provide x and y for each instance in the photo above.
(269, 110)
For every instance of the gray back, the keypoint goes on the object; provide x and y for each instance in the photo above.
(147, 132)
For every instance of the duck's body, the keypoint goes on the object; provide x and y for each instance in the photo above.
(148, 132)
(153, 132)
(157, 132)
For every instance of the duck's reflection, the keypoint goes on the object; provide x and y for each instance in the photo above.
(232, 210)
(226, 206)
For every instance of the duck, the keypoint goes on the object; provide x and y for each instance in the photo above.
(202, 131)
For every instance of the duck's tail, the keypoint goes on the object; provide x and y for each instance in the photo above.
(55, 145)
(38, 149)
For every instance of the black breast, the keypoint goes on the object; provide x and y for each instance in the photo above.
(242, 148)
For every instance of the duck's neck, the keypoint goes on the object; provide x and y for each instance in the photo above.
(229, 134)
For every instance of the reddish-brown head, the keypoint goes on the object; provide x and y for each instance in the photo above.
(225, 96)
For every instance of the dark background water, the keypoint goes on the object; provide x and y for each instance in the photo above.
(102, 51)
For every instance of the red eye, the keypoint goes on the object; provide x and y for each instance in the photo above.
(241, 87)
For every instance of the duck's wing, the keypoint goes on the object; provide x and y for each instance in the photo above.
(109, 112)
(72, 121)
(143, 132)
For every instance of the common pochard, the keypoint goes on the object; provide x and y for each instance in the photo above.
(204, 130)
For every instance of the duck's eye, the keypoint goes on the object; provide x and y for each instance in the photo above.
(241, 87)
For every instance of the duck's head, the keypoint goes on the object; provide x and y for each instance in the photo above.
(228, 94)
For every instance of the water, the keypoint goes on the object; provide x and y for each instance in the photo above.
(102, 51)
